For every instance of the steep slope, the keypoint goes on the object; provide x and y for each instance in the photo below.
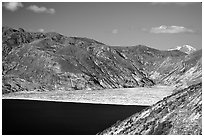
(147, 58)
(180, 72)
(178, 114)
(164, 67)
(12, 38)
(51, 61)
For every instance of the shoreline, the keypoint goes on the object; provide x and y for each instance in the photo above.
(70, 101)
(130, 96)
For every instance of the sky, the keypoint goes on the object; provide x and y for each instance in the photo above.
(157, 25)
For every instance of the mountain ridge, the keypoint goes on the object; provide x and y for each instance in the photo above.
(46, 62)
(92, 64)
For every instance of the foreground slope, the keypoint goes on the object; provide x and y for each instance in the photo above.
(178, 114)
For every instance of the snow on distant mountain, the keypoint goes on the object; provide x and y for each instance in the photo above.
(185, 48)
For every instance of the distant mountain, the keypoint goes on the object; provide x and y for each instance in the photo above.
(185, 48)
(51, 61)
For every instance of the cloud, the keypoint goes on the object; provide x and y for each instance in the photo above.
(37, 9)
(170, 29)
(12, 6)
(175, 3)
(41, 30)
(115, 31)
(183, 3)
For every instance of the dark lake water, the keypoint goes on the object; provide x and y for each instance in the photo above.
(26, 117)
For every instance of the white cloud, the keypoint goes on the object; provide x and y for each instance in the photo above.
(170, 29)
(12, 6)
(37, 9)
(41, 30)
(115, 31)
(183, 3)
(175, 3)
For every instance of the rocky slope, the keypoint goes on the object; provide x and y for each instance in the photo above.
(180, 72)
(177, 114)
(165, 67)
(50, 61)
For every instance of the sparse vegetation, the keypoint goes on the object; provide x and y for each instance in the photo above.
(177, 114)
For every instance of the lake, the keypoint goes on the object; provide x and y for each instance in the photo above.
(32, 117)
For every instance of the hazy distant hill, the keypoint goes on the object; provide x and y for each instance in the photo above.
(185, 48)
